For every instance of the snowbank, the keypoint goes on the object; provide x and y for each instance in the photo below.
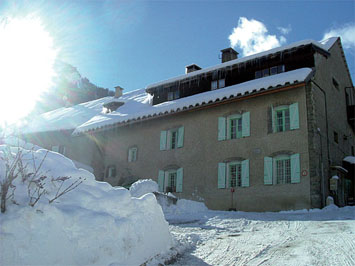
(142, 187)
(95, 224)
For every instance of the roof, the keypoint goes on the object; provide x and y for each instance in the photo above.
(137, 104)
(67, 118)
(324, 45)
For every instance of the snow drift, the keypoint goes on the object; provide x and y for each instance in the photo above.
(94, 224)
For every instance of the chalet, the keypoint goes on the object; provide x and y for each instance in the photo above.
(265, 132)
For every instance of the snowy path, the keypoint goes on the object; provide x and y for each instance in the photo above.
(294, 238)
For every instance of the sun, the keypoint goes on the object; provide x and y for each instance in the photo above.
(27, 56)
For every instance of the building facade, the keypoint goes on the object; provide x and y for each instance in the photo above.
(261, 133)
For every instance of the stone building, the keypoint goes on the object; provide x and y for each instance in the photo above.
(265, 132)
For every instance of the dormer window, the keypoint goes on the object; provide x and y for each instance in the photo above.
(172, 95)
(217, 84)
(111, 107)
(269, 71)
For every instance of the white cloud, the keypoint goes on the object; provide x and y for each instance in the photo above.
(284, 30)
(251, 36)
(346, 33)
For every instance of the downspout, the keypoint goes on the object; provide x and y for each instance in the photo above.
(320, 137)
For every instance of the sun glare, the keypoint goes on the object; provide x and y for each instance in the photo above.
(27, 56)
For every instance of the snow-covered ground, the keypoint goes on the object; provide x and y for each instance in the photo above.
(94, 224)
(316, 237)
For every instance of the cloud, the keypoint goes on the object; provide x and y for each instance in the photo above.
(346, 33)
(284, 30)
(251, 36)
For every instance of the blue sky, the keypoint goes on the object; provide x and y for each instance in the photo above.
(135, 43)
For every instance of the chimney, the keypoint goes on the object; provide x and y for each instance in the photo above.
(191, 68)
(118, 91)
(229, 54)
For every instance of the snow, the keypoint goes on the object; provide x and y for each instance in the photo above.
(67, 118)
(328, 43)
(350, 159)
(303, 237)
(142, 187)
(95, 224)
(240, 60)
(137, 102)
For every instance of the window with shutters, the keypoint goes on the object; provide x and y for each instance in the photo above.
(282, 169)
(284, 118)
(172, 139)
(170, 180)
(233, 174)
(234, 126)
(132, 154)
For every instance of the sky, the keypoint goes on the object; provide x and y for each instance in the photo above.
(136, 43)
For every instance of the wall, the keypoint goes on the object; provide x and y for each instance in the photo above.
(202, 152)
(330, 107)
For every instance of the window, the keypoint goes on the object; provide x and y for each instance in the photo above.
(60, 149)
(172, 95)
(284, 118)
(269, 71)
(132, 154)
(172, 139)
(336, 137)
(335, 83)
(282, 169)
(217, 84)
(234, 126)
(170, 180)
(111, 171)
(233, 174)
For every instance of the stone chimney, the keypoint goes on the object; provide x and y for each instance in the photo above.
(191, 68)
(229, 54)
(118, 91)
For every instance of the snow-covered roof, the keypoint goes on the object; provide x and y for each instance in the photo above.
(324, 45)
(137, 103)
(67, 118)
(349, 159)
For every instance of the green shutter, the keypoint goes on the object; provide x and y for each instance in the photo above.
(180, 137)
(221, 175)
(295, 168)
(272, 119)
(294, 116)
(161, 178)
(267, 170)
(246, 124)
(179, 179)
(221, 128)
(163, 135)
(245, 173)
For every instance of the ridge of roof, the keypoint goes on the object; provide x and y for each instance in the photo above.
(240, 60)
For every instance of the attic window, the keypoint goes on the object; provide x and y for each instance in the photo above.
(111, 107)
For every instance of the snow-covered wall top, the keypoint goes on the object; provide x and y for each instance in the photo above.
(324, 45)
(137, 103)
